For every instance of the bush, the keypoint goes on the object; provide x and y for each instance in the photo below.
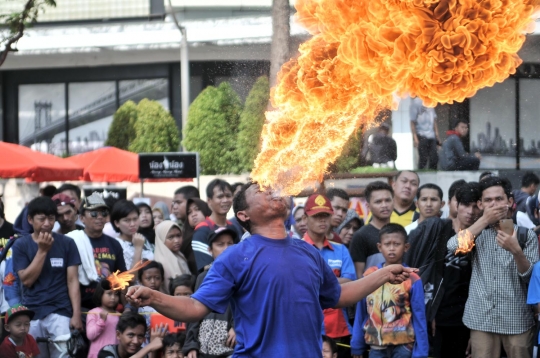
(122, 131)
(212, 129)
(350, 156)
(155, 129)
(251, 123)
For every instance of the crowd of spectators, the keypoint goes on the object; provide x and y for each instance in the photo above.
(57, 257)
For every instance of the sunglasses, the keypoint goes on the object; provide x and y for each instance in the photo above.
(104, 213)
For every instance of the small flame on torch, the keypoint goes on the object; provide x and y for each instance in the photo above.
(465, 242)
(119, 281)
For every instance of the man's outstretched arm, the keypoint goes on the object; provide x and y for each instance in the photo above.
(354, 291)
(182, 309)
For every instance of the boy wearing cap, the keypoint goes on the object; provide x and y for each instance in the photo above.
(19, 343)
(214, 335)
(319, 212)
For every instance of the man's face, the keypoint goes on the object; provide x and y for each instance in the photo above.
(94, 220)
(131, 340)
(381, 204)
(73, 195)
(179, 206)
(319, 223)
(301, 222)
(453, 207)
(494, 196)
(263, 205)
(174, 351)
(221, 202)
(531, 189)
(42, 222)
(406, 186)
(340, 207)
(467, 214)
(429, 204)
(67, 216)
(462, 129)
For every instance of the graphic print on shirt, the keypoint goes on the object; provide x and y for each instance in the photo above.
(103, 253)
(389, 314)
(335, 265)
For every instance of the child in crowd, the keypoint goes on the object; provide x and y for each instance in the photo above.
(101, 321)
(329, 347)
(183, 285)
(214, 336)
(130, 333)
(172, 345)
(19, 343)
(150, 276)
(392, 319)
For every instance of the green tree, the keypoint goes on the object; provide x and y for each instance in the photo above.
(350, 156)
(155, 129)
(251, 123)
(212, 129)
(15, 23)
(122, 129)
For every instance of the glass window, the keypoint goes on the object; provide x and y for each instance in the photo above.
(91, 109)
(135, 90)
(42, 122)
(493, 125)
(529, 117)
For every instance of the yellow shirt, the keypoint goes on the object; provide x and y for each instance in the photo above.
(404, 218)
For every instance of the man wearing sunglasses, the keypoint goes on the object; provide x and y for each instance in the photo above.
(100, 254)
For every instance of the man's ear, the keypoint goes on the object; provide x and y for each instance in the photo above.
(510, 202)
(407, 247)
(480, 206)
(242, 215)
(443, 203)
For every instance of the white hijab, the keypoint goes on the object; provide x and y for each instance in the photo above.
(174, 264)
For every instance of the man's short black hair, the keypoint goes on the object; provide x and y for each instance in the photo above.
(73, 188)
(485, 175)
(458, 121)
(528, 179)
(340, 193)
(468, 193)
(236, 186)
(331, 343)
(406, 171)
(172, 338)
(217, 183)
(130, 320)
(151, 265)
(454, 187)
(496, 181)
(186, 279)
(42, 205)
(188, 191)
(101, 287)
(376, 186)
(430, 186)
(240, 204)
(122, 209)
(392, 228)
(48, 190)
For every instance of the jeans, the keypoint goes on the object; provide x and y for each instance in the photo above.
(427, 150)
(400, 351)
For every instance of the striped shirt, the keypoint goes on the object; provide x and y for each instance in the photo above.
(497, 300)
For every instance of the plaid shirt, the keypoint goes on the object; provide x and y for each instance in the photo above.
(497, 300)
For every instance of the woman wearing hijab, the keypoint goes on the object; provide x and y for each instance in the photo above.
(196, 212)
(164, 209)
(168, 243)
(146, 223)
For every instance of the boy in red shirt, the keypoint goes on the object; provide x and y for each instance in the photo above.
(19, 343)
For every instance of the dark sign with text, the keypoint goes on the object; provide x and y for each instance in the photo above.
(106, 192)
(168, 165)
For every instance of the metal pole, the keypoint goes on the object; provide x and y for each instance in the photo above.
(142, 189)
(184, 79)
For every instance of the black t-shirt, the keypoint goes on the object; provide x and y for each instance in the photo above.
(6, 231)
(109, 257)
(364, 243)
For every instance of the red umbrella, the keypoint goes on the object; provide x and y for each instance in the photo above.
(108, 164)
(18, 161)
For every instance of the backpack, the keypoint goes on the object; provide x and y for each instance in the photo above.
(522, 235)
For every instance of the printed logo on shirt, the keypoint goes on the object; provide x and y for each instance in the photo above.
(335, 263)
(9, 280)
(57, 262)
(103, 253)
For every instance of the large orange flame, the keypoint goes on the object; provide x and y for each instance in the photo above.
(364, 55)
(119, 281)
(465, 242)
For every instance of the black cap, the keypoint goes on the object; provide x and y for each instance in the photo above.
(222, 231)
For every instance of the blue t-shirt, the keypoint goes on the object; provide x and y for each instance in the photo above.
(533, 295)
(49, 294)
(276, 289)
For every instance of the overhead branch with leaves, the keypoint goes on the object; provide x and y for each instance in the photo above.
(15, 23)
